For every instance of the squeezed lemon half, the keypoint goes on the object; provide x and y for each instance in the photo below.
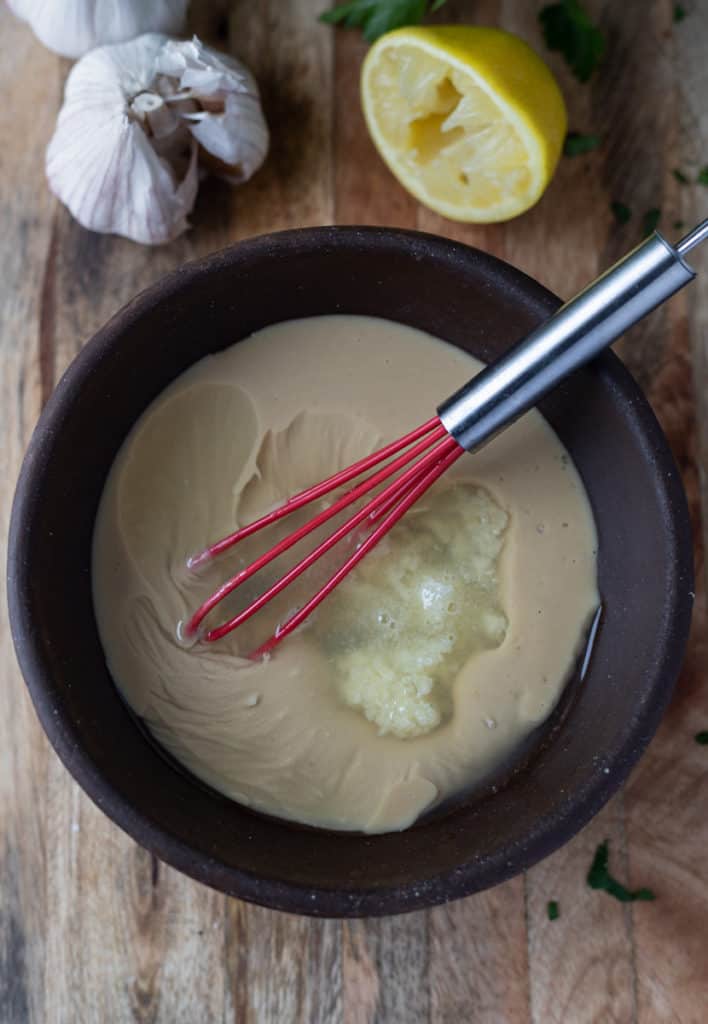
(470, 120)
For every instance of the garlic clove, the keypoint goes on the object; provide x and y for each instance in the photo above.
(73, 27)
(156, 117)
(100, 161)
(230, 127)
(238, 137)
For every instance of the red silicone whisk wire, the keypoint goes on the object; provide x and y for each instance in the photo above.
(432, 427)
(435, 451)
(347, 499)
(218, 632)
(413, 494)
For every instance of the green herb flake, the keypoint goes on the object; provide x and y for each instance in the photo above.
(679, 12)
(702, 178)
(553, 910)
(650, 221)
(599, 877)
(678, 225)
(621, 211)
(577, 145)
(680, 176)
(567, 28)
(702, 738)
(375, 17)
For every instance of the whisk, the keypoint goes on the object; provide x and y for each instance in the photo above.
(487, 404)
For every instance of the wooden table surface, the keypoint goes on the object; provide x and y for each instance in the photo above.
(92, 928)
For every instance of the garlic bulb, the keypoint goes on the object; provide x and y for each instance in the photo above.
(72, 27)
(136, 120)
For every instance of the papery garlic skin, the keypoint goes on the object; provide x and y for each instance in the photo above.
(136, 116)
(73, 27)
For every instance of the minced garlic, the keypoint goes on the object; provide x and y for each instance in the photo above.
(399, 629)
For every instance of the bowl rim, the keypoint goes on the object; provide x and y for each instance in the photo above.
(277, 894)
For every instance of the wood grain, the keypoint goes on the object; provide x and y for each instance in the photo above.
(92, 928)
(26, 76)
(667, 829)
(582, 964)
(479, 967)
(667, 834)
(282, 968)
(145, 945)
(385, 970)
(292, 56)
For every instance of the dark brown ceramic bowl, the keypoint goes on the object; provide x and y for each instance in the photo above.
(645, 565)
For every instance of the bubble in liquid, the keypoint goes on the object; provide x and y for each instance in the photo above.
(185, 639)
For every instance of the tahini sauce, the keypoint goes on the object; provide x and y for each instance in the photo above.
(241, 431)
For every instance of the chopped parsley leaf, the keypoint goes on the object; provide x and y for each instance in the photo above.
(650, 221)
(577, 145)
(599, 877)
(553, 910)
(567, 27)
(374, 17)
(621, 212)
(702, 738)
(680, 176)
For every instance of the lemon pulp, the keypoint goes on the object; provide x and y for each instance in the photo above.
(469, 119)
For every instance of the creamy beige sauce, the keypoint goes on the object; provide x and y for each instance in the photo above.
(243, 430)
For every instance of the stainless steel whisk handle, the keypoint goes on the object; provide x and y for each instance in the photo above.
(577, 332)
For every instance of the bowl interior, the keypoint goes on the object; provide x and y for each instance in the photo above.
(469, 299)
